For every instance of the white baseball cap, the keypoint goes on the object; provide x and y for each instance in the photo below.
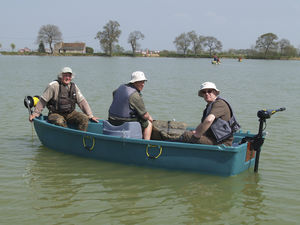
(208, 85)
(65, 70)
(137, 76)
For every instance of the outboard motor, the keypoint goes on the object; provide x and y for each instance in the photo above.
(30, 102)
(258, 140)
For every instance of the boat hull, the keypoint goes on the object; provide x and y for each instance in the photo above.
(209, 159)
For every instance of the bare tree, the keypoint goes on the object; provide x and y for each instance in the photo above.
(266, 42)
(283, 44)
(195, 41)
(212, 43)
(133, 38)
(49, 34)
(109, 36)
(182, 42)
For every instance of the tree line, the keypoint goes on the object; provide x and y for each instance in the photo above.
(188, 44)
(198, 43)
(267, 46)
(108, 37)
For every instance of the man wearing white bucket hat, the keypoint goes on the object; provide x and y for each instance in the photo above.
(218, 122)
(128, 105)
(61, 97)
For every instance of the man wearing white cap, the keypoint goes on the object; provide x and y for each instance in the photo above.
(61, 97)
(128, 104)
(218, 122)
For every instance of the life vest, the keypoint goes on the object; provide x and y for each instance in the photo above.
(120, 106)
(220, 128)
(66, 101)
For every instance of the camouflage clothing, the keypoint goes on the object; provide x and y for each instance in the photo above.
(77, 119)
(188, 137)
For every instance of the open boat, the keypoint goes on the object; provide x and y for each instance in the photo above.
(99, 142)
(220, 160)
(215, 62)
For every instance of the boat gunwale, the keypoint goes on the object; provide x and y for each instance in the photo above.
(40, 120)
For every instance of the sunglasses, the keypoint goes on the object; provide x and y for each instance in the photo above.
(67, 75)
(206, 91)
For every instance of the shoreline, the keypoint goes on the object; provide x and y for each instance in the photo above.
(164, 55)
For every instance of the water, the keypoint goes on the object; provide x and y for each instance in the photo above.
(41, 186)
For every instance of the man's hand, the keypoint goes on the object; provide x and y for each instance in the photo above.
(31, 117)
(147, 116)
(95, 119)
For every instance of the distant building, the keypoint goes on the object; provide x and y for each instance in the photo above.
(48, 50)
(148, 53)
(62, 47)
(22, 50)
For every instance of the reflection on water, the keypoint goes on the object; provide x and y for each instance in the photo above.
(86, 190)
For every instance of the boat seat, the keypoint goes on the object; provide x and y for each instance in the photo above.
(126, 130)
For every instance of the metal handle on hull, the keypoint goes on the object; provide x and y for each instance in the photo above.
(84, 143)
(153, 146)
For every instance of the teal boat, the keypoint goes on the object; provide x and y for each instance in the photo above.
(210, 159)
(124, 144)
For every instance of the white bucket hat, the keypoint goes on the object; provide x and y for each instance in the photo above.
(208, 85)
(137, 76)
(65, 70)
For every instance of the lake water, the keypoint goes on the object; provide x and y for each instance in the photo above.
(41, 186)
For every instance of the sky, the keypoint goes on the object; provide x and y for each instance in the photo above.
(237, 24)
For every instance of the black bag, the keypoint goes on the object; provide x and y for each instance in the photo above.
(167, 130)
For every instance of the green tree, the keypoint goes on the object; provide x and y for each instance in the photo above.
(212, 44)
(0, 45)
(13, 46)
(118, 49)
(49, 34)
(195, 41)
(109, 36)
(182, 43)
(89, 50)
(41, 47)
(290, 51)
(266, 42)
(133, 38)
